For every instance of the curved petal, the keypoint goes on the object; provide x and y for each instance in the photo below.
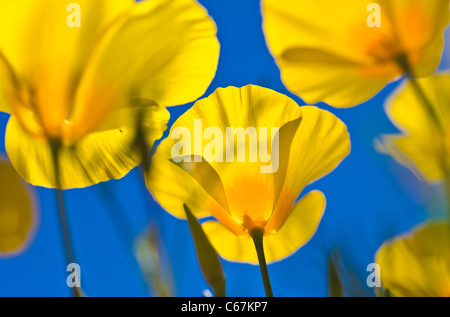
(17, 215)
(172, 186)
(315, 46)
(320, 144)
(296, 232)
(174, 50)
(326, 52)
(419, 26)
(406, 111)
(417, 264)
(230, 246)
(4, 104)
(427, 60)
(418, 22)
(321, 24)
(421, 146)
(422, 158)
(248, 191)
(98, 157)
(306, 72)
(246, 107)
(47, 55)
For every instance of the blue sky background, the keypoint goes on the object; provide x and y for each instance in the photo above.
(369, 199)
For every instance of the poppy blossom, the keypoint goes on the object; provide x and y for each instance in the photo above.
(417, 264)
(306, 144)
(331, 51)
(82, 85)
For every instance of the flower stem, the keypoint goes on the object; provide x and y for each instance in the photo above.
(446, 182)
(64, 224)
(404, 64)
(257, 235)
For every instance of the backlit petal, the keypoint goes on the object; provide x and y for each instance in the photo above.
(5, 84)
(172, 186)
(320, 76)
(420, 147)
(230, 246)
(4, 104)
(297, 231)
(99, 157)
(163, 50)
(418, 263)
(47, 55)
(320, 144)
(248, 191)
(326, 51)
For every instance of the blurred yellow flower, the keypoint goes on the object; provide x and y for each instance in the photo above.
(17, 214)
(327, 50)
(424, 144)
(417, 264)
(71, 86)
(212, 180)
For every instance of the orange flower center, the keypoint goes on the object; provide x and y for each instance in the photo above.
(405, 31)
(250, 198)
(40, 116)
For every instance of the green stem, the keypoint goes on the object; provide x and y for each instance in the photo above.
(446, 184)
(257, 235)
(404, 64)
(64, 224)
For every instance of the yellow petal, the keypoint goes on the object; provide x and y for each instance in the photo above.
(418, 22)
(4, 104)
(99, 157)
(47, 55)
(248, 106)
(7, 83)
(172, 186)
(320, 144)
(327, 52)
(248, 191)
(286, 135)
(419, 27)
(420, 147)
(230, 246)
(174, 53)
(312, 44)
(418, 263)
(429, 58)
(422, 158)
(296, 232)
(17, 216)
(316, 76)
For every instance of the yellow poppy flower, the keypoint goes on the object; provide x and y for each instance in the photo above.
(219, 168)
(424, 144)
(330, 51)
(417, 264)
(17, 217)
(71, 86)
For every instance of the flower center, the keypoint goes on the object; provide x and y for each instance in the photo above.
(250, 197)
(39, 121)
(403, 31)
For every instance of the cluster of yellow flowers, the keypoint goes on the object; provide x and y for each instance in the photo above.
(82, 100)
